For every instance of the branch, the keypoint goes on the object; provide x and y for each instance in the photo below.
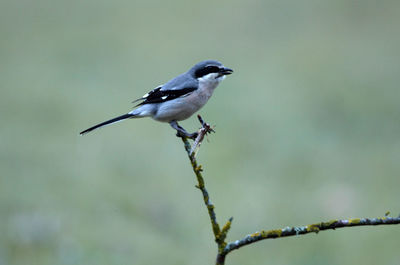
(220, 234)
(313, 228)
(191, 151)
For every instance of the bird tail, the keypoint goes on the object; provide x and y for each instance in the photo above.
(114, 120)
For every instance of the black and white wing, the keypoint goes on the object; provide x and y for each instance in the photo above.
(171, 90)
(145, 96)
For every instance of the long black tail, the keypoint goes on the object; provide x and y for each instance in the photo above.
(119, 118)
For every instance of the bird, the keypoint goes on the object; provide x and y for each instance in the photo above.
(178, 99)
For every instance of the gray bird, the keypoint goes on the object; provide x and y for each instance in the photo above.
(179, 98)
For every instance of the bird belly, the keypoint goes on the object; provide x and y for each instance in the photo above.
(181, 108)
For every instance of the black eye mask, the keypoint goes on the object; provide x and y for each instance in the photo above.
(206, 70)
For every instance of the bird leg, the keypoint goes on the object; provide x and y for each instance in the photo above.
(205, 125)
(180, 132)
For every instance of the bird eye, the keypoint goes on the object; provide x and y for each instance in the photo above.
(207, 70)
(212, 69)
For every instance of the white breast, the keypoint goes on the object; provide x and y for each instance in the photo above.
(207, 84)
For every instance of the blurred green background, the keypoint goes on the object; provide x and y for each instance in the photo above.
(308, 129)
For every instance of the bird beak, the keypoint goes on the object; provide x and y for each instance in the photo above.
(226, 71)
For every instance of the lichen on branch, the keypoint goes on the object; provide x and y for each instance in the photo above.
(220, 234)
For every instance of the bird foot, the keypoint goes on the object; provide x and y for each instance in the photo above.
(184, 134)
(206, 126)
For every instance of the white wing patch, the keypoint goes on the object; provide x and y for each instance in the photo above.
(155, 89)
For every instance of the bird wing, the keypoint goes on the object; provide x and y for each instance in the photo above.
(175, 88)
(158, 96)
(155, 90)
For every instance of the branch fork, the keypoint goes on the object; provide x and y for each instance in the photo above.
(220, 234)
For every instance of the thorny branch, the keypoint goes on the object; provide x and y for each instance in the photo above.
(225, 248)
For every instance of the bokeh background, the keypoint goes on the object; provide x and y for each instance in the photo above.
(308, 130)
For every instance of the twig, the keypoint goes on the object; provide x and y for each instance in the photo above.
(313, 228)
(206, 128)
(220, 234)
